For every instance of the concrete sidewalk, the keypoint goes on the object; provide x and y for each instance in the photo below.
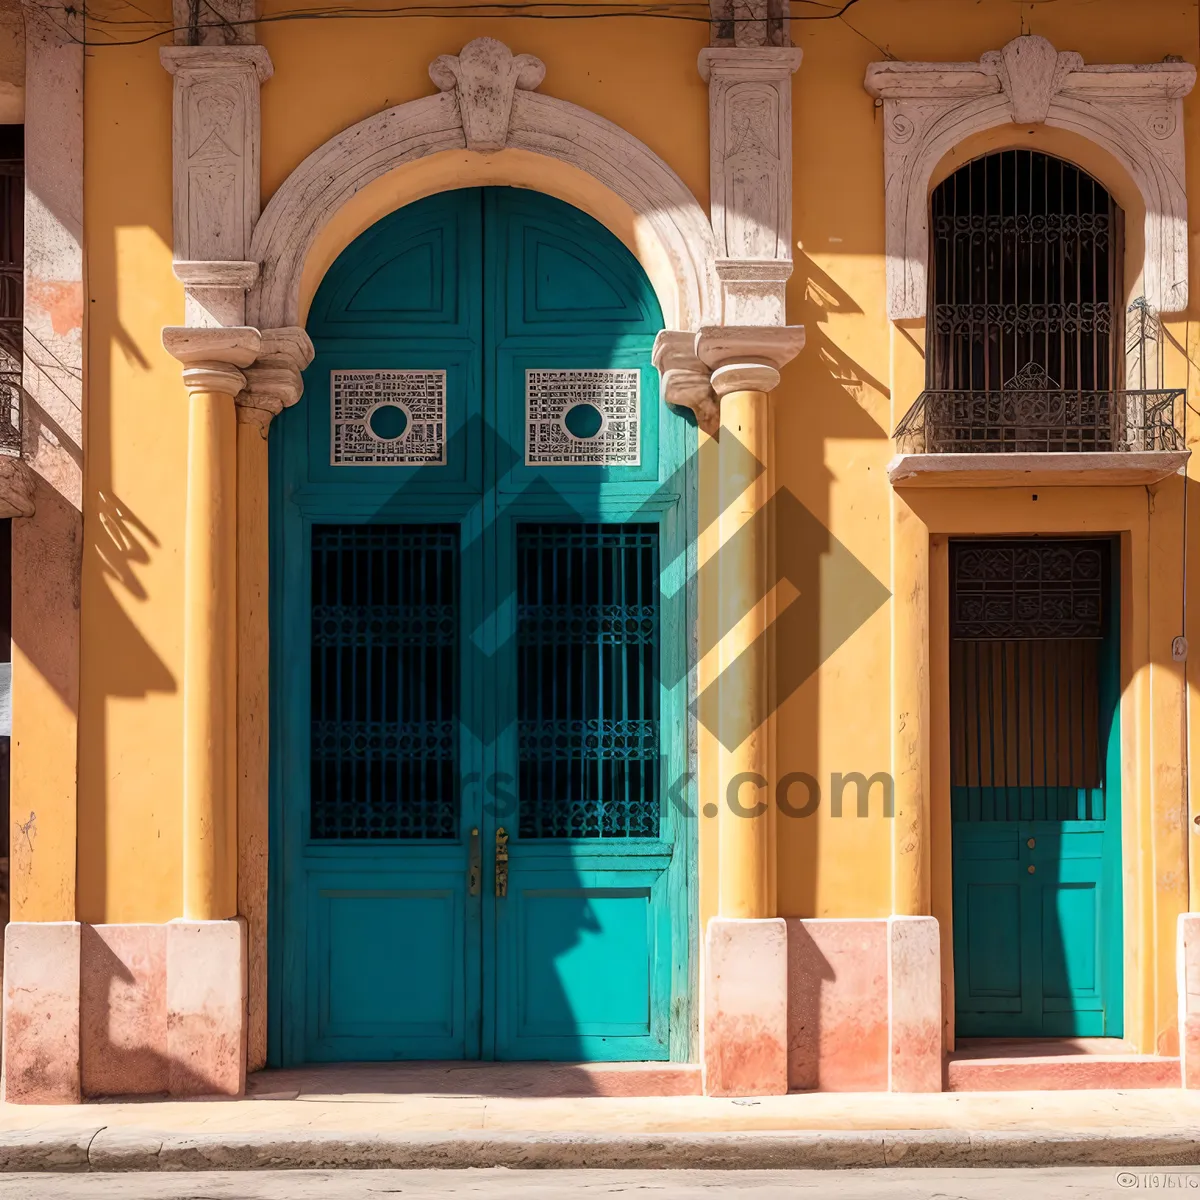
(366, 1117)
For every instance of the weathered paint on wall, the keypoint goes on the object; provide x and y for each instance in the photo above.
(871, 706)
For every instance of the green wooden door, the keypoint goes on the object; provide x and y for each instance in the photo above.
(1035, 797)
(479, 611)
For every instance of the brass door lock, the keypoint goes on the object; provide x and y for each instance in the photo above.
(501, 862)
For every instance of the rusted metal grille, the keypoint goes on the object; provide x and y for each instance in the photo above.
(1025, 320)
(1028, 620)
(12, 203)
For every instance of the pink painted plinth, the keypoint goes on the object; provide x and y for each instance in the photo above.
(1189, 998)
(744, 1035)
(206, 1007)
(914, 1005)
(41, 1012)
(123, 1010)
(838, 1005)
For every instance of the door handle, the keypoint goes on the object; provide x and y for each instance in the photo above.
(501, 862)
(474, 865)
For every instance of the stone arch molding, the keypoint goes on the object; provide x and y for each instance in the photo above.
(1135, 112)
(486, 102)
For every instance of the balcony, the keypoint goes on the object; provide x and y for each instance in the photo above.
(1032, 432)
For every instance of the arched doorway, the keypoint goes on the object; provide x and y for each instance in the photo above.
(479, 632)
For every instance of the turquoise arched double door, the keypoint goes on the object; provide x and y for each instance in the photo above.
(479, 641)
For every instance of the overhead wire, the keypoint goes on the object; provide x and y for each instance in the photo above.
(524, 10)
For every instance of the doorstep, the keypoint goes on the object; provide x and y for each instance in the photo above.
(484, 1079)
(1055, 1064)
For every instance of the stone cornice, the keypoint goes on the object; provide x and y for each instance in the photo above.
(1133, 111)
(184, 60)
(746, 61)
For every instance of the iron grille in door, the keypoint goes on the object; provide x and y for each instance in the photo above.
(588, 681)
(1024, 314)
(1027, 619)
(385, 629)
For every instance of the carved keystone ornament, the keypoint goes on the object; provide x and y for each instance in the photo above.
(483, 77)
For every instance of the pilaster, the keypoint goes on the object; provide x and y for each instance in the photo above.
(273, 383)
(750, 155)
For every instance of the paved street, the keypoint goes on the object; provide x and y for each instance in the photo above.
(1068, 1183)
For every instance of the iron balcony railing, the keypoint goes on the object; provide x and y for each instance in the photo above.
(1042, 420)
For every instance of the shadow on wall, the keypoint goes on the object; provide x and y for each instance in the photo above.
(117, 662)
(837, 399)
(838, 1005)
(126, 1023)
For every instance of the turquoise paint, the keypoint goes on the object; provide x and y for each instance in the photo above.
(377, 950)
(1040, 954)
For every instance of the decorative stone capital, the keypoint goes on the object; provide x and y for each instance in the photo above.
(1132, 111)
(747, 62)
(274, 382)
(769, 345)
(211, 357)
(697, 369)
(484, 76)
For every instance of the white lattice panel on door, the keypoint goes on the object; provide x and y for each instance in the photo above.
(356, 395)
(550, 395)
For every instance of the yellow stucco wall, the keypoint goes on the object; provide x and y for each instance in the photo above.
(833, 412)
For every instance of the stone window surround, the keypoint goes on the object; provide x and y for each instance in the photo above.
(1132, 111)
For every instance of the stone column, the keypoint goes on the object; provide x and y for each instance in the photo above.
(272, 384)
(215, 148)
(744, 880)
(745, 986)
(211, 360)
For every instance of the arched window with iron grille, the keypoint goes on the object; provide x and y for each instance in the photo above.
(1026, 345)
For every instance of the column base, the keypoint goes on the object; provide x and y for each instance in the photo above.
(865, 1011)
(41, 1012)
(914, 1005)
(1188, 970)
(745, 1005)
(124, 1010)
